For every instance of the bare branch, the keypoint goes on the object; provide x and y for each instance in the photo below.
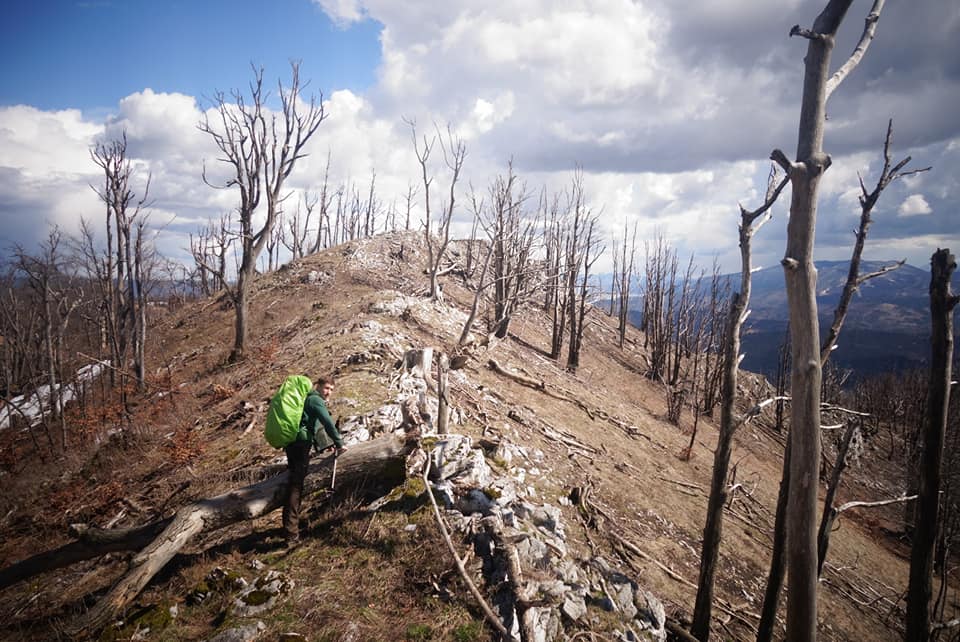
(869, 30)
(884, 502)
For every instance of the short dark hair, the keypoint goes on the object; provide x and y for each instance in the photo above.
(324, 380)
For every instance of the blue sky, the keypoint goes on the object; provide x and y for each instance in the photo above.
(671, 113)
(65, 54)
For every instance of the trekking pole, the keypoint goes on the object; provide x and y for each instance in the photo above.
(333, 478)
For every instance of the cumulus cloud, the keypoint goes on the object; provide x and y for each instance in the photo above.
(914, 205)
(669, 112)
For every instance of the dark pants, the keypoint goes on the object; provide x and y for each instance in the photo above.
(298, 459)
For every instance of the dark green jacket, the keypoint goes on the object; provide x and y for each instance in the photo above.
(315, 414)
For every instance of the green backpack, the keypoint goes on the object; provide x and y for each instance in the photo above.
(286, 408)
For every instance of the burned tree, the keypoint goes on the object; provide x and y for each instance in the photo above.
(942, 303)
(625, 282)
(210, 247)
(454, 153)
(50, 285)
(800, 276)
(581, 252)
(260, 149)
(555, 231)
(324, 200)
(116, 272)
(750, 222)
(868, 199)
(511, 235)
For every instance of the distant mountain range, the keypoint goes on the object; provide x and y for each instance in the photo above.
(887, 326)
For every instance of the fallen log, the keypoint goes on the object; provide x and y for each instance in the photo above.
(90, 542)
(381, 459)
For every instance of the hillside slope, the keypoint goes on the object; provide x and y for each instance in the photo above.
(386, 575)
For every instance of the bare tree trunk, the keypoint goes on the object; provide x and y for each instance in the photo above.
(829, 511)
(781, 384)
(140, 325)
(801, 279)
(778, 557)
(475, 305)
(240, 318)
(943, 263)
(443, 407)
(713, 527)
(626, 276)
(801, 290)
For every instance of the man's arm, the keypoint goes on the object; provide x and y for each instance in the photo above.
(317, 412)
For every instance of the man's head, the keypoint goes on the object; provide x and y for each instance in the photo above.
(325, 386)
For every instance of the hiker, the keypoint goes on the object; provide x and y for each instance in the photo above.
(314, 415)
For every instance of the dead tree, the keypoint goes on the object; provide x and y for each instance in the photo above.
(454, 153)
(45, 276)
(658, 305)
(511, 234)
(482, 285)
(750, 222)
(298, 226)
(942, 303)
(716, 338)
(867, 202)
(578, 300)
(708, 349)
(261, 150)
(800, 276)
(19, 323)
(324, 199)
(158, 542)
(276, 238)
(211, 247)
(830, 512)
(582, 251)
(854, 280)
(373, 205)
(625, 281)
(408, 199)
(116, 276)
(555, 231)
(615, 275)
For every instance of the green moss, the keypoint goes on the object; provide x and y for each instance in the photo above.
(468, 632)
(408, 496)
(154, 618)
(257, 598)
(419, 633)
(414, 487)
(492, 493)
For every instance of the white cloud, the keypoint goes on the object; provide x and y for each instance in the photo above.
(914, 205)
(342, 11)
(40, 143)
(671, 114)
